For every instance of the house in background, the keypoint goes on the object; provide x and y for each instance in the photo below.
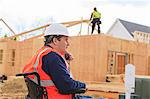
(130, 31)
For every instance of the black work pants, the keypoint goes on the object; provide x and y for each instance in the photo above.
(94, 22)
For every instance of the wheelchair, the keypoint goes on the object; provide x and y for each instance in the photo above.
(36, 91)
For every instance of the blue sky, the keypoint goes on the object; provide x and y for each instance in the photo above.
(23, 15)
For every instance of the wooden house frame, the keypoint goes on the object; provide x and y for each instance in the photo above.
(95, 56)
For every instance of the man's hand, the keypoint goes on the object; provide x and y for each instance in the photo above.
(68, 56)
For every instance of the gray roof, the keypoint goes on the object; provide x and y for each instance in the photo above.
(132, 27)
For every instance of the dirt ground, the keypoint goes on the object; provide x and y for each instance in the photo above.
(13, 88)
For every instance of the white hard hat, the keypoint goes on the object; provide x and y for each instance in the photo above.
(56, 29)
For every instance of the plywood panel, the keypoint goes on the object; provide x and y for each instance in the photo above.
(102, 58)
(3, 48)
(12, 57)
(140, 49)
(26, 49)
(148, 51)
(140, 64)
(90, 54)
(148, 65)
(37, 43)
(85, 55)
(125, 46)
(114, 44)
(100, 47)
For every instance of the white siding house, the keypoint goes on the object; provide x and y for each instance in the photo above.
(125, 30)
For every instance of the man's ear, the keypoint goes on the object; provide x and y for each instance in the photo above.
(55, 41)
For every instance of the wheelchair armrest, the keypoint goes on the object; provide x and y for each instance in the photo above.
(77, 91)
(30, 73)
(26, 74)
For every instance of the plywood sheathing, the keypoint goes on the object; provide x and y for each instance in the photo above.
(3, 46)
(26, 52)
(7, 46)
(90, 55)
(12, 45)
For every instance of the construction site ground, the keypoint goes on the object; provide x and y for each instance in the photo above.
(15, 88)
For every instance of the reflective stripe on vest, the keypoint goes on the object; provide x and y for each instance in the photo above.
(38, 58)
(43, 82)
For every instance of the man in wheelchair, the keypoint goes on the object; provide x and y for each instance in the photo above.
(47, 74)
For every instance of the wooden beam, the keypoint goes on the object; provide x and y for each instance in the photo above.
(103, 89)
(26, 32)
(72, 24)
(68, 24)
(75, 21)
(43, 34)
(8, 26)
(98, 94)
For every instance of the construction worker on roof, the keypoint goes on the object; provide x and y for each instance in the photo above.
(50, 63)
(95, 19)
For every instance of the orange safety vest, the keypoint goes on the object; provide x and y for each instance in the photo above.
(35, 65)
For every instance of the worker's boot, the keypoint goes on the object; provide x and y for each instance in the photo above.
(99, 31)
